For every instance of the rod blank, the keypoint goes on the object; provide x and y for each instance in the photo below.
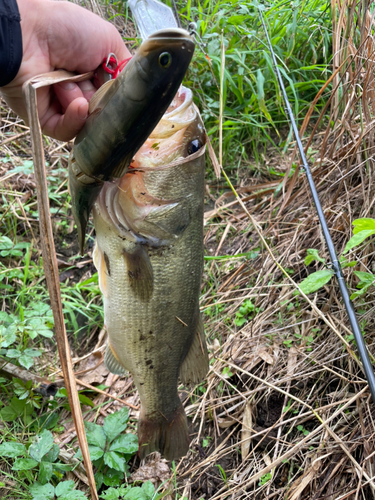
(362, 349)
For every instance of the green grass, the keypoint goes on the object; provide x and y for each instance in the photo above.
(254, 115)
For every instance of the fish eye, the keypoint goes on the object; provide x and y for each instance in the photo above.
(194, 146)
(165, 59)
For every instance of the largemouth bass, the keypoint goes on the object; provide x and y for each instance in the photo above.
(149, 256)
(123, 113)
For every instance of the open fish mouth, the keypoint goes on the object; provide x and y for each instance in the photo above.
(179, 134)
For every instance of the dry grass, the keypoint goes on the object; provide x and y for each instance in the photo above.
(285, 412)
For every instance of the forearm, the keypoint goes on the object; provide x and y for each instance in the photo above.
(10, 41)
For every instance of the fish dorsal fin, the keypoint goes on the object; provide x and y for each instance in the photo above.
(195, 365)
(99, 94)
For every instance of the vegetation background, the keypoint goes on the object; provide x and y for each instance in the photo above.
(285, 412)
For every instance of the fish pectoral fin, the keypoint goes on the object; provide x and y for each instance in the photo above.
(100, 264)
(139, 272)
(112, 363)
(195, 365)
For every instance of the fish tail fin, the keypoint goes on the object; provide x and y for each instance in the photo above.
(169, 436)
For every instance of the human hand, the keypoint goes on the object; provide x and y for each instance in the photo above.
(61, 35)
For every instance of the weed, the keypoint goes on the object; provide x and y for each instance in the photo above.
(254, 110)
(303, 430)
(245, 313)
(363, 229)
(39, 460)
(264, 479)
(110, 450)
(144, 492)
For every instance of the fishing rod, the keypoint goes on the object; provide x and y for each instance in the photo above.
(361, 345)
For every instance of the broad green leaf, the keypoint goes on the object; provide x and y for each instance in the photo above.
(149, 489)
(240, 320)
(52, 455)
(45, 472)
(73, 495)
(113, 477)
(46, 490)
(364, 224)
(126, 443)
(115, 423)
(360, 292)
(13, 353)
(49, 421)
(39, 326)
(34, 353)
(136, 493)
(95, 435)
(345, 263)
(365, 277)
(42, 445)
(99, 477)
(357, 239)
(8, 335)
(313, 254)
(110, 494)
(366, 280)
(64, 487)
(12, 449)
(315, 281)
(95, 452)
(5, 243)
(39, 309)
(115, 461)
(8, 414)
(24, 464)
(18, 405)
(85, 400)
(26, 361)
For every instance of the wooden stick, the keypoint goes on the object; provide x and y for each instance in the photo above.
(49, 254)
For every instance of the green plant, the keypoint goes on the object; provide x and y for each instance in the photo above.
(63, 491)
(144, 492)
(264, 479)
(245, 313)
(110, 450)
(10, 249)
(254, 110)
(363, 229)
(303, 430)
(39, 459)
(17, 409)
